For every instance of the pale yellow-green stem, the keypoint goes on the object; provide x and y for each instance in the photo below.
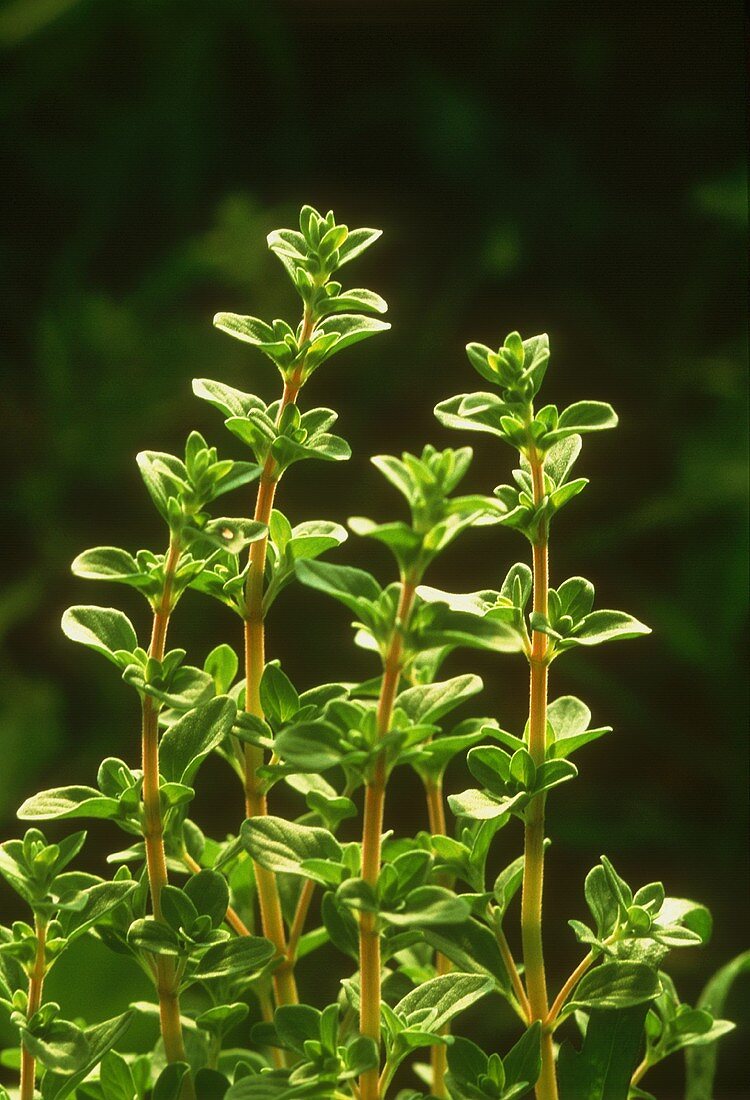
(272, 921)
(533, 871)
(640, 1071)
(524, 1009)
(566, 989)
(372, 830)
(36, 983)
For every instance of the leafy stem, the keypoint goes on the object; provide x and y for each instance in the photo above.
(36, 984)
(533, 870)
(167, 981)
(372, 829)
(285, 988)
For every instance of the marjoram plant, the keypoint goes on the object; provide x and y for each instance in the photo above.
(219, 925)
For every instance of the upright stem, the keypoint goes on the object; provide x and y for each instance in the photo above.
(533, 871)
(167, 983)
(36, 983)
(272, 921)
(372, 830)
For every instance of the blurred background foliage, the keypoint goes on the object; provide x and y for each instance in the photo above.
(535, 165)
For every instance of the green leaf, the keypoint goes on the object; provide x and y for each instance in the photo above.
(602, 901)
(467, 1063)
(222, 665)
(246, 955)
(210, 1084)
(602, 1069)
(169, 1082)
(428, 906)
(283, 846)
(361, 1054)
(434, 1003)
(426, 704)
(701, 1060)
(340, 925)
(221, 1019)
(148, 934)
(483, 807)
(297, 1024)
(356, 243)
(491, 766)
(523, 1062)
(350, 329)
(164, 476)
(278, 697)
(274, 1087)
(226, 399)
(109, 563)
(605, 626)
(552, 773)
(60, 1046)
(404, 543)
(116, 1078)
(232, 535)
(559, 459)
(615, 985)
(690, 914)
(347, 585)
(472, 948)
(69, 802)
(188, 742)
(98, 901)
(253, 331)
(508, 883)
(569, 719)
(209, 893)
(103, 629)
(358, 299)
(587, 416)
(477, 412)
(309, 746)
(99, 1039)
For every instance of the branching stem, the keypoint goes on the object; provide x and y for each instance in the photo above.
(372, 830)
(566, 990)
(297, 926)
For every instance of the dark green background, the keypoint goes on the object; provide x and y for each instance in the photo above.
(575, 168)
